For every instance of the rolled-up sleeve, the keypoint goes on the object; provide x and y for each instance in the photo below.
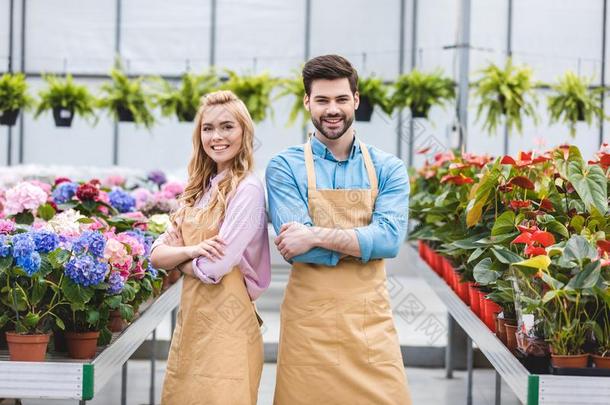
(287, 204)
(383, 236)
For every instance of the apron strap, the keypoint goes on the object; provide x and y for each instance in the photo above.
(370, 168)
(311, 172)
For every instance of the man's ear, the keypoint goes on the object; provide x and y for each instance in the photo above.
(356, 100)
(306, 102)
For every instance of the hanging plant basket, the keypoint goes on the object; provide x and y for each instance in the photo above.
(125, 114)
(9, 118)
(365, 110)
(418, 111)
(63, 117)
(185, 116)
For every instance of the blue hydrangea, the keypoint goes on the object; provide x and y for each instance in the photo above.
(90, 241)
(115, 283)
(29, 263)
(23, 244)
(5, 247)
(46, 241)
(153, 272)
(64, 192)
(121, 200)
(86, 271)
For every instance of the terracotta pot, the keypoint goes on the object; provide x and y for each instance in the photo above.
(601, 361)
(116, 323)
(491, 312)
(473, 292)
(27, 347)
(511, 337)
(463, 291)
(570, 361)
(82, 345)
(482, 312)
(501, 329)
(174, 276)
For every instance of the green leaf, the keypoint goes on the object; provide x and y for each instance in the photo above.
(550, 295)
(537, 262)
(58, 258)
(504, 224)
(60, 324)
(113, 301)
(93, 316)
(506, 256)
(550, 281)
(46, 211)
(476, 254)
(5, 263)
(31, 320)
(24, 218)
(591, 185)
(483, 272)
(578, 248)
(126, 312)
(39, 288)
(75, 294)
(587, 278)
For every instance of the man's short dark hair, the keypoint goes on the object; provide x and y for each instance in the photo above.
(329, 67)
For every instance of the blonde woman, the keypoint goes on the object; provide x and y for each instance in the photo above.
(219, 242)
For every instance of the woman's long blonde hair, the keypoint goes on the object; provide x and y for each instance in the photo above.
(202, 168)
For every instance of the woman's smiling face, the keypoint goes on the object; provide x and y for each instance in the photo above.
(221, 136)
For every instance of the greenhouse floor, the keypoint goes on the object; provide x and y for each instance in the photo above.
(428, 387)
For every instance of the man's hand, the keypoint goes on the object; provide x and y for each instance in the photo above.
(295, 239)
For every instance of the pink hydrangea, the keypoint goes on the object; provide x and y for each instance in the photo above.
(171, 189)
(24, 196)
(142, 196)
(114, 180)
(116, 254)
(138, 271)
(6, 226)
(46, 187)
(137, 249)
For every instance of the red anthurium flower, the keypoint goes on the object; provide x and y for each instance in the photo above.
(604, 246)
(507, 160)
(526, 229)
(523, 238)
(546, 205)
(534, 250)
(544, 238)
(516, 204)
(525, 159)
(458, 179)
(459, 166)
(522, 182)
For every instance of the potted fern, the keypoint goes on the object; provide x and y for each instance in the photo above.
(254, 91)
(506, 93)
(13, 97)
(373, 92)
(183, 100)
(294, 87)
(65, 98)
(573, 101)
(127, 100)
(420, 91)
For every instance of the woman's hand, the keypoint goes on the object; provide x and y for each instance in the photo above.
(211, 249)
(174, 238)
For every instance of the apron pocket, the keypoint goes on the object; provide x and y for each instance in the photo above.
(381, 337)
(214, 352)
(309, 335)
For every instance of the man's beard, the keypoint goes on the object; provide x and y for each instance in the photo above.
(333, 133)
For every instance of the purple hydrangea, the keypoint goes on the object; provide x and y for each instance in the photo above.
(121, 200)
(86, 271)
(153, 272)
(23, 244)
(29, 263)
(115, 283)
(45, 241)
(157, 177)
(64, 192)
(5, 247)
(90, 241)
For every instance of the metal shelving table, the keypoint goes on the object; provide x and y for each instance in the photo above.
(530, 389)
(62, 378)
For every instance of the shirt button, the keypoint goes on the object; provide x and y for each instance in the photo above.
(340, 163)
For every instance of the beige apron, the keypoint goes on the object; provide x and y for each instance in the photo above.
(338, 344)
(216, 354)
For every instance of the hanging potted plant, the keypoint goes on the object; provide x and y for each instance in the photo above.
(254, 91)
(505, 93)
(420, 91)
(30, 290)
(294, 87)
(183, 101)
(65, 98)
(13, 97)
(127, 99)
(373, 92)
(574, 101)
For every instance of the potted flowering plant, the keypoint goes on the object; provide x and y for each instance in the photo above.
(30, 290)
(23, 201)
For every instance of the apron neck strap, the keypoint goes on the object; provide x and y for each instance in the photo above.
(311, 172)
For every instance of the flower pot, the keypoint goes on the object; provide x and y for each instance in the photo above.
(482, 312)
(419, 111)
(569, 361)
(116, 323)
(9, 117)
(463, 291)
(27, 347)
(63, 117)
(473, 292)
(174, 276)
(365, 109)
(501, 329)
(185, 116)
(601, 361)
(125, 114)
(491, 312)
(82, 345)
(511, 337)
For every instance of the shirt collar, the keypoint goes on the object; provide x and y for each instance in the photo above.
(319, 149)
(215, 179)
